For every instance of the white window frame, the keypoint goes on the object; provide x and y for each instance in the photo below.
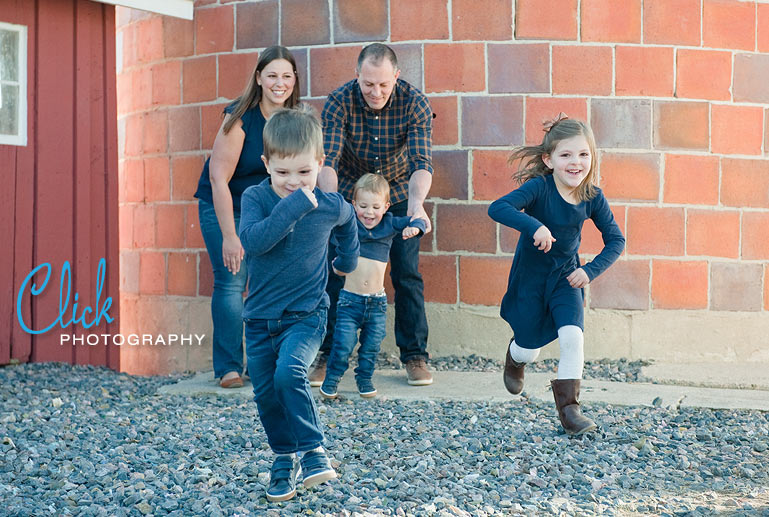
(20, 138)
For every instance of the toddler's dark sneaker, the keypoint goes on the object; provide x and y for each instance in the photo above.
(283, 478)
(316, 468)
(328, 389)
(366, 388)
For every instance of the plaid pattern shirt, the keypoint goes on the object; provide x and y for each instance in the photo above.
(393, 142)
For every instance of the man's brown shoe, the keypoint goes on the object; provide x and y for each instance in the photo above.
(231, 381)
(417, 372)
(318, 373)
(513, 374)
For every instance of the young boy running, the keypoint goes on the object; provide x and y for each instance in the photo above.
(285, 227)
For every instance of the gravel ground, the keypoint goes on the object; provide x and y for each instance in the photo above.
(89, 441)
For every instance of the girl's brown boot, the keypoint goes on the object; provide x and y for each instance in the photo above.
(513, 374)
(566, 394)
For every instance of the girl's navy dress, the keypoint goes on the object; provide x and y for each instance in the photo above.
(539, 299)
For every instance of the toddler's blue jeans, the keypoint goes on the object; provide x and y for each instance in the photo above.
(354, 312)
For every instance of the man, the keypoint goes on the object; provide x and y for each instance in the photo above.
(380, 124)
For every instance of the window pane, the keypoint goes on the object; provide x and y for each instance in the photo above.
(9, 55)
(9, 110)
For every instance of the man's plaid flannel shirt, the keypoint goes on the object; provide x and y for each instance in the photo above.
(393, 142)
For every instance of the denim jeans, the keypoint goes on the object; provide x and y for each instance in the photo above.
(227, 298)
(354, 312)
(410, 318)
(279, 353)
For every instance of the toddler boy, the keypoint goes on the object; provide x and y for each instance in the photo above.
(285, 227)
(362, 302)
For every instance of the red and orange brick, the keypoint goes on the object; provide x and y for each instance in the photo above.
(424, 20)
(454, 67)
(713, 233)
(691, 179)
(546, 19)
(615, 21)
(633, 176)
(481, 279)
(679, 284)
(570, 75)
(736, 129)
(655, 231)
(672, 22)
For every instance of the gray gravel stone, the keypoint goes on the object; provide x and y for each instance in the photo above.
(115, 447)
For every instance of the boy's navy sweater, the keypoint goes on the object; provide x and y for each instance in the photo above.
(287, 244)
(375, 243)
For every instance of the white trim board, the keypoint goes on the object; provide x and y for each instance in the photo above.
(175, 8)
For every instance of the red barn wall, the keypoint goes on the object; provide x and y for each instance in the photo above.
(59, 200)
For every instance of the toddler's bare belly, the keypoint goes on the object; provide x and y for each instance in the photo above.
(368, 277)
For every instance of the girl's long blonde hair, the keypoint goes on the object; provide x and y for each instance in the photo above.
(529, 158)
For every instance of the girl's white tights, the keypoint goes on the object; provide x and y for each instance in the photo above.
(522, 355)
(572, 360)
(572, 352)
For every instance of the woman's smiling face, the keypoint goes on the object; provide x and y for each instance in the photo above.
(277, 80)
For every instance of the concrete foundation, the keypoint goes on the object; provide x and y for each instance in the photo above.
(662, 336)
(665, 336)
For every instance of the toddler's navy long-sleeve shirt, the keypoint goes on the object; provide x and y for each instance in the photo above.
(375, 243)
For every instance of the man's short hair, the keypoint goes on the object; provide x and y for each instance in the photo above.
(376, 52)
(290, 132)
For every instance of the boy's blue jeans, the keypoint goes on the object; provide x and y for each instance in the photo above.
(227, 297)
(279, 353)
(353, 312)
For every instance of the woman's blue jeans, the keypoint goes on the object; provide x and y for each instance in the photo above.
(279, 353)
(227, 298)
(353, 312)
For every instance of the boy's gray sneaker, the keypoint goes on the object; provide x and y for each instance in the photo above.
(366, 389)
(283, 478)
(316, 468)
(328, 389)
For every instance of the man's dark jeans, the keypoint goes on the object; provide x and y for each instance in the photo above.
(410, 319)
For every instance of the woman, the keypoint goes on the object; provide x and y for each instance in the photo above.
(236, 164)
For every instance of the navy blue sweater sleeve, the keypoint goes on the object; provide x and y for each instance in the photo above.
(346, 236)
(507, 209)
(613, 240)
(261, 228)
(401, 223)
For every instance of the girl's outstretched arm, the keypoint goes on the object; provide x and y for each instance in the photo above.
(507, 209)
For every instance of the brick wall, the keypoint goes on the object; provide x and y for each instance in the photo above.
(676, 92)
